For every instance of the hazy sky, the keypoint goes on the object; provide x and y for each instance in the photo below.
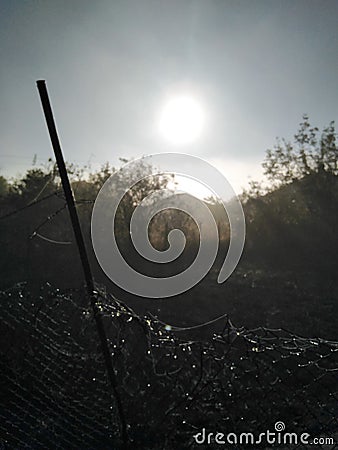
(255, 66)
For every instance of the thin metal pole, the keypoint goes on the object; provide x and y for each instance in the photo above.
(41, 84)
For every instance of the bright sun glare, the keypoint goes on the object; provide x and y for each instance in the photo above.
(182, 120)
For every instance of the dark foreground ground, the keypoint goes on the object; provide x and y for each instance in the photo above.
(272, 358)
(303, 303)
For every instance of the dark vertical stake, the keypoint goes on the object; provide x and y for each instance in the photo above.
(82, 250)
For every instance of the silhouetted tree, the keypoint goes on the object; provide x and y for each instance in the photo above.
(308, 153)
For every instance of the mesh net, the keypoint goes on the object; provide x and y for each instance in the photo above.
(55, 394)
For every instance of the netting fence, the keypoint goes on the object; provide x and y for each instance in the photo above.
(55, 394)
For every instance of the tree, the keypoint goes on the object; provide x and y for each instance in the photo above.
(35, 220)
(293, 222)
(308, 153)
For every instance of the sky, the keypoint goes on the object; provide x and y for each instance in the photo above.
(254, 66)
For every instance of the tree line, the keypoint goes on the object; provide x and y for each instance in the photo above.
(291, 216)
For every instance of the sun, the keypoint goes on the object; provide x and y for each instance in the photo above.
(182, 120)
